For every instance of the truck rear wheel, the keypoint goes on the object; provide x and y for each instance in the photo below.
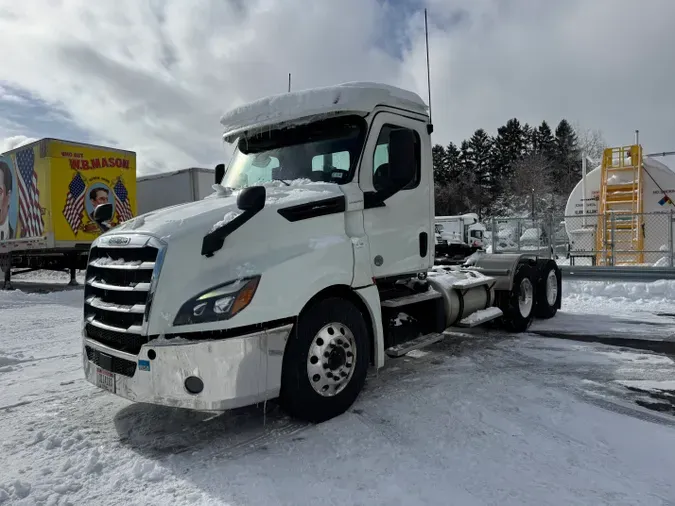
(548, 291)
(325, 361)
(518, 305)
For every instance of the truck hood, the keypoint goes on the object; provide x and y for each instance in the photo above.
(215, 210)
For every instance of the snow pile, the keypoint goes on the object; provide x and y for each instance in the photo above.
(299, 194)
(450, 280)
(400, 318)
(301, 181)
(226, 219)
(326, 242)
(107, 261)
(306, 104)
(649, 385)
(482, 315)
(637, 292)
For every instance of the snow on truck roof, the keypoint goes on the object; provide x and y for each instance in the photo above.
(355, 97)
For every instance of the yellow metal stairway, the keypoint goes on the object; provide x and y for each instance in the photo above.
(620, 220)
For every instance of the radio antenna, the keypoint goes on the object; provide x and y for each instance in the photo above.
(426, 36)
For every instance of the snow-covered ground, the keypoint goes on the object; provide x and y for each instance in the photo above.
(481, 419)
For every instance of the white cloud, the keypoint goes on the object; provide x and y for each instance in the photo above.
(14, 141)
(155, 77)
(607, 64)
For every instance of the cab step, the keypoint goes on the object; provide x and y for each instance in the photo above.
(411, 299)
(480, 317)
(415, 344)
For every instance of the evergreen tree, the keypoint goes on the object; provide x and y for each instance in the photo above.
(510, 145)
(479, 162)
(438, 157)
(528, 133)
(567, 167)
(545, 143)
(453, 163)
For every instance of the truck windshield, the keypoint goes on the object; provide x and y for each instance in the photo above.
(325, 151)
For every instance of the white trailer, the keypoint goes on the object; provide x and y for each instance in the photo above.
(312, 262)
(170, 188)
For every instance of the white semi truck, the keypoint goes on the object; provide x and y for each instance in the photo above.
(311, 262)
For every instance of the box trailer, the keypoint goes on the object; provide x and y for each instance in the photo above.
(171, 188)
(48, 192)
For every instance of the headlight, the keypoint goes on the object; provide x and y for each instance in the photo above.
(221, 302)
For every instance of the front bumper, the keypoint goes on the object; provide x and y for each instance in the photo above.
(236, 372)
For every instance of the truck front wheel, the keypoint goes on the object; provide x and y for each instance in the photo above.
(325, 361)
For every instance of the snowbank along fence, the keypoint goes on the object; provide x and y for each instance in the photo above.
(617, 245)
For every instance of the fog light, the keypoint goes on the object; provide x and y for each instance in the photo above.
(194, 385)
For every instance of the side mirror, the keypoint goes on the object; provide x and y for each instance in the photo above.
(103, 213)
(402, 158)
(220, 172)
(252, 198)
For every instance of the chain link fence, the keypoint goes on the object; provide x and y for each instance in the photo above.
(612, 239)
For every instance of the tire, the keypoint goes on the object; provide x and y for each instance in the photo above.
(549, 291)
(334, 333)
(518, 317)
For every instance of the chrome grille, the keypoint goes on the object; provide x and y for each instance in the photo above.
(117, 292)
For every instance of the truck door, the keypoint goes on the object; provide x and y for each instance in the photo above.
(399, 231)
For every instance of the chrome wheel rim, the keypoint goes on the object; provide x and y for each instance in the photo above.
(551, 288)
(331, 359)
(525, 297)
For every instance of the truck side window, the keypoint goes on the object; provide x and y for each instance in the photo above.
(381, 157)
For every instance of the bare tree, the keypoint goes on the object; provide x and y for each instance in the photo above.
(531, 184)
(531, 173)
(591, 141)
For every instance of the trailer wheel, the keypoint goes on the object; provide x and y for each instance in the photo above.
(519, 303)
(549, 291)
(325, 361)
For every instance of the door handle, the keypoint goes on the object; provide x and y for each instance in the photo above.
(424, 244)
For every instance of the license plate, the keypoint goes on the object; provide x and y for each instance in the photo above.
(105, 380)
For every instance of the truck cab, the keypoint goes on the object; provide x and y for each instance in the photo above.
(309, 263)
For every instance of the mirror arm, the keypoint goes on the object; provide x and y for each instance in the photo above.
(103, 226)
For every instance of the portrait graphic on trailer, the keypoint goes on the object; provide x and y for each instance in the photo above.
(96, 194)
(7, 198)
(83, 197)
(20, 210)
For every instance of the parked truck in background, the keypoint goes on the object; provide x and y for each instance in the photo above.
(157, 191)
(48, 192)
(460, 236)
(311, 262)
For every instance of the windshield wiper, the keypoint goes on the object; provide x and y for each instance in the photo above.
(285, 182)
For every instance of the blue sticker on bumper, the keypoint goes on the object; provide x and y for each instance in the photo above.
(144, 365)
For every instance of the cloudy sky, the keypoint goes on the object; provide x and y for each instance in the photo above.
(154, 76)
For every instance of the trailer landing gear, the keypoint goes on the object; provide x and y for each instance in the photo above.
(6, 266)
(73, 270)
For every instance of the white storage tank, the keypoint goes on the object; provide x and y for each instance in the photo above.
(658, 182)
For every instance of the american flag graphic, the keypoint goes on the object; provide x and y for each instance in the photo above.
(122, 201)
(30, 217)
(75, 202)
